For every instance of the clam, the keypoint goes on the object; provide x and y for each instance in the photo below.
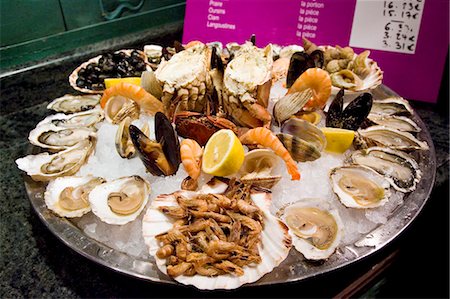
(151, 84)
(121, 200)
(300, 150)
(385, 136)
(160, 157)
(124, 144)
(391, 106)
(56, 138)
(306, 131)
(68, 196)
(46, 167)
(290, 104)
(401, 170)
(75, 120)
(74, 103)
(313, 117)
(359, 187)
(118, 108)
(316, 227)
(257, 168)
(400, 123)
(352, 117)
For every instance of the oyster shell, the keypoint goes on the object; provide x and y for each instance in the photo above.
(385, 136)
(46, 167)
(75, 120)
(273, 248)
(56, 138)
(391, 106)
(316, 227)
(401, 123)
(359, 187)
(401, 170)
(121, 200)
(257, 168)
(68, 196)
(74, 103)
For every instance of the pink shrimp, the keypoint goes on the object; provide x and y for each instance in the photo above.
(320, 83)
(145, 100)
(191, 155)
(266, 138)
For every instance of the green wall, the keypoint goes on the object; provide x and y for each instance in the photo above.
(35, 29)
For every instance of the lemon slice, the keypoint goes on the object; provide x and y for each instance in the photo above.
(223, 154)
(113, 81)
(338, 140)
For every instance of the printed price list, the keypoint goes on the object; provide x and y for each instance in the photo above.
(308, 18)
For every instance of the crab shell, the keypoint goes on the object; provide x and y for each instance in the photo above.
(274, 247)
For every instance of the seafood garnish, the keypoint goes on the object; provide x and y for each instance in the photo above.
(266, 138)
(191, 157)
(353, 116)
(74, 103)
(160, 157)
(215, 239)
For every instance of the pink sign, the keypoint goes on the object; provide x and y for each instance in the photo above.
(408, 38)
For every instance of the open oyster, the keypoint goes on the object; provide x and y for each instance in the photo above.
(385, 136)
(316, 228)
(391, 106)
(74, 103)
(68, 196)
(258, 166)
(359, 187)
(46, 167)
(75, 120)
(399, 169)
(58, 138)
(401, 123)
(121, 200)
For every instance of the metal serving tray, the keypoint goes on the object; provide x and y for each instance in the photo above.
(291, 269)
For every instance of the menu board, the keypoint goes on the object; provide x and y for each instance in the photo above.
(408, 38)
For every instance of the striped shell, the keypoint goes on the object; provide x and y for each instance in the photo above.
(274, 247)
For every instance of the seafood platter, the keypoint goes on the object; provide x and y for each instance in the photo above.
(220, 165)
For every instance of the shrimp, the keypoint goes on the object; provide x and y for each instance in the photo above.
(191, 155)
(320, 83)
(266, 138)
(147, 102)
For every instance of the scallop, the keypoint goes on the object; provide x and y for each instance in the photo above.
(273, 248)
(315, 226)
(56, 138)
(68, 196)
(86, 119)
(359, 187)
(121, 200)
(398, 168)
(46, 167)
(74, 103)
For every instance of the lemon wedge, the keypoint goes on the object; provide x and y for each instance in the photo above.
(113, 81)
(338, 140)
(223, 154)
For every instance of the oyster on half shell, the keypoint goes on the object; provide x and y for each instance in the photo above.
(400, 123)
(359, 187)
(46, 167)
(121, 200)
(398, 168)
(391, 106)
(315, 226)
(74, 103)
(75, 120)
(56, 138)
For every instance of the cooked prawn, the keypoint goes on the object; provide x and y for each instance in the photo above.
(320, 83)
(266, 138)
(147, 102)
(191, 155)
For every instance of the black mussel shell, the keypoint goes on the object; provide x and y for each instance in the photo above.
(167, 136)
(353, 115)
(317, 57)
(216, 61)
(178, 46)
(300, 62)
(253, 39)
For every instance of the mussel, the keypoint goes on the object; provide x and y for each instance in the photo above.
(300, 62)
(160, 157)
(352, 117)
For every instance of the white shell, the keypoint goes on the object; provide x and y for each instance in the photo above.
(273, 248)
(391, 106)
(98, 198)
(360, 171)
(81, 119)
(400, 123)
(61, 140)
(53, 192)
(74, 103)
(77, 154)
(309, 251)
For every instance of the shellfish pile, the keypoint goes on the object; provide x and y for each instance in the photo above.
(135, 155)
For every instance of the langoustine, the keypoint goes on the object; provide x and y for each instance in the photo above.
(191, 155)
